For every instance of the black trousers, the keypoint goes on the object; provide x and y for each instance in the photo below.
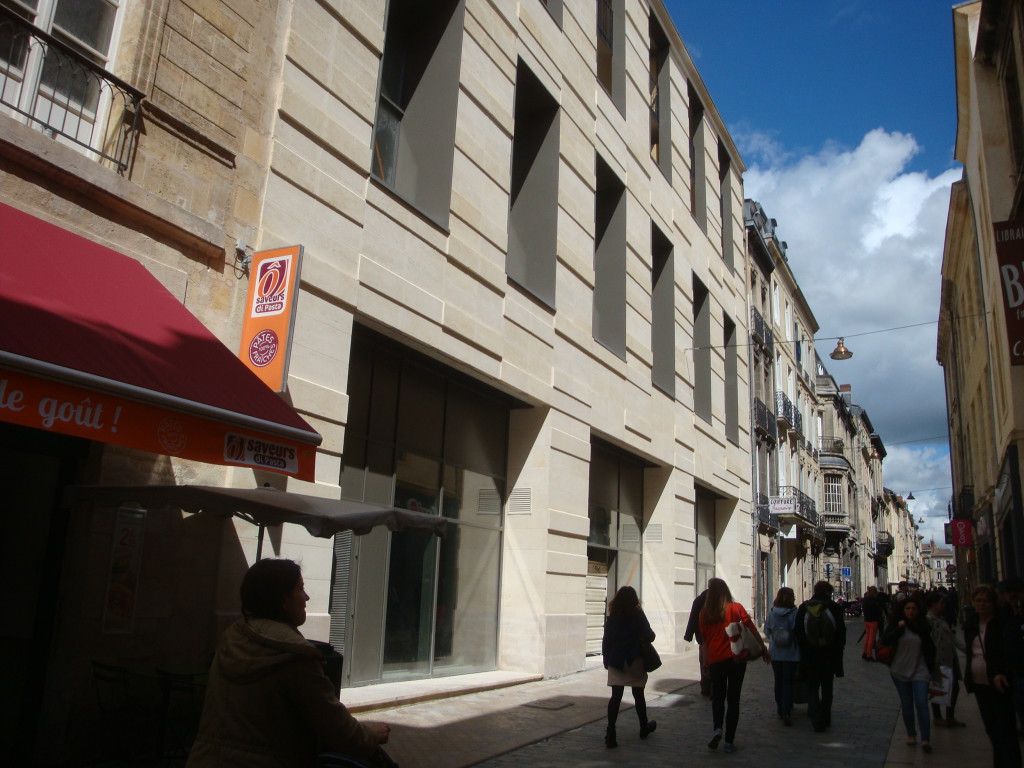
(1000, 724)
(820, 679)
(726, 685)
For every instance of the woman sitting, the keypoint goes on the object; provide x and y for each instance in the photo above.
(268, 701)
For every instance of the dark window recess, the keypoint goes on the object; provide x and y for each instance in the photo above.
(533, 205)
(610, 260)
(663, 320)
(658, 99)
(698, 193)
(414, 132)
(725, 204)
(702, 350)
(732, 385)
(611, 50)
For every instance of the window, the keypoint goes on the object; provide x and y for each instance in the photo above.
(61, 83)
(610, 260)
(725, 203)
(414, 133)
(732, 382)
(698, 191)
(533, 208)
(611, 50)
(1014, 112)
(663, 313)
(658, 98)
(555, 9)
(702, 350)
(833, 494)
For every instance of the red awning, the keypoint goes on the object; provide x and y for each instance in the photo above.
(93, 345)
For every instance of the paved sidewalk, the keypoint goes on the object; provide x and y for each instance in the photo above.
(560, 723)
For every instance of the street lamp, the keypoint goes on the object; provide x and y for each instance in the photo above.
(841, 352)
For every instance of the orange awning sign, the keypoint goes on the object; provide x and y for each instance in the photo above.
(57, 406)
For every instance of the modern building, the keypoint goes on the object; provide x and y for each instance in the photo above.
(519, 298)
(981, 325)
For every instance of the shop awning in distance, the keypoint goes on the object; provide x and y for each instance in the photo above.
(93, 345)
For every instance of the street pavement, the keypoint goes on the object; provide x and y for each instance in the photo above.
(560, 723)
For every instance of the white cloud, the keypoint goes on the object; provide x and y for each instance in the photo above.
(865, 239)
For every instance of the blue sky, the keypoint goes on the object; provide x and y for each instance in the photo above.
(844, 112)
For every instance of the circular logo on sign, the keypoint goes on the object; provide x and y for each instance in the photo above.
(263, 348)
(171, 436)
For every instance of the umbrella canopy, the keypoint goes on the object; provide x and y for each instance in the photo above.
(263, 506)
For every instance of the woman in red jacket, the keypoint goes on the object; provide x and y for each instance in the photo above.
(726, 673)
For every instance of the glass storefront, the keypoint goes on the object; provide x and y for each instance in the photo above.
(422, 437)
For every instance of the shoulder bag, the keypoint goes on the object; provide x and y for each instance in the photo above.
(745, 646)
(650, 655)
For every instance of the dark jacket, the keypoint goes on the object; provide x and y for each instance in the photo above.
(893, 632)
(873, 609)
(828, 659)
(269, 705)
(693, 625)
(622, 635)
(997, 661)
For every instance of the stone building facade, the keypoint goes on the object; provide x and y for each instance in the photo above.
(520, 306)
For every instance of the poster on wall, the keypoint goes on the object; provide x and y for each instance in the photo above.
(1010, 254)
(270, 314)
(125, 565)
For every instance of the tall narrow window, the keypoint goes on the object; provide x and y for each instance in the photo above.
(833, 494)
(698, 189)
(725, 203)
(1014, 112)
(663, 313)
(533, 209)
(702, 350)
(658, 99)
(610, 260)
(414, 134)
(732, 383)
(611, 50)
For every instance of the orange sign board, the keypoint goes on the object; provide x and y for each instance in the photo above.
(270, 314)
(69, 409)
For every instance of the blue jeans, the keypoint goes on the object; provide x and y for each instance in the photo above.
(914, 695)
(784, 674)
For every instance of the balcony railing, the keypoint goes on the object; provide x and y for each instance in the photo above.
(763, 510)
(784, 408)
(834, 521)
(764, 419)
(885, 544)
(833, 445)
(805, 511)
(769, 341)
(965, 503)
(69, 97)
(757, 325)
(798, 422)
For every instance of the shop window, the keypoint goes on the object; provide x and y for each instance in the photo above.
(533, 210)
(610, 260)
(414, 132)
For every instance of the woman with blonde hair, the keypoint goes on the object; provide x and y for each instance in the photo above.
(624, 630)
(727, 673)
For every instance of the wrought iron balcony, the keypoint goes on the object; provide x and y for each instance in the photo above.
(784, 408)
(833, 445)
(797, 508)
(885, 544)
(55, 88)
(965, 503)
(763, 512)
(798, 422)
(764, 419)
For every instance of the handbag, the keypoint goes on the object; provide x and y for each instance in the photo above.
(885, 653)
(744, 644)
(939, 690)
(650, 656)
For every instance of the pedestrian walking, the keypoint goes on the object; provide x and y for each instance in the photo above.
(693, 633)
(625, 629)
(780, 629)
(986, 676)
(821, 633)
(948, 663)
(873, 617)
(912, 668)
(1013, 611)
(727, 673)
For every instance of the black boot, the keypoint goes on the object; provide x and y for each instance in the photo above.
(609, 737)
(647, 728)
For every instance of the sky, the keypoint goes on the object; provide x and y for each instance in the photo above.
(844, 112)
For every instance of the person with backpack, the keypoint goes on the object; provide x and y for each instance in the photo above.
(821, 635)
(780, 629)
